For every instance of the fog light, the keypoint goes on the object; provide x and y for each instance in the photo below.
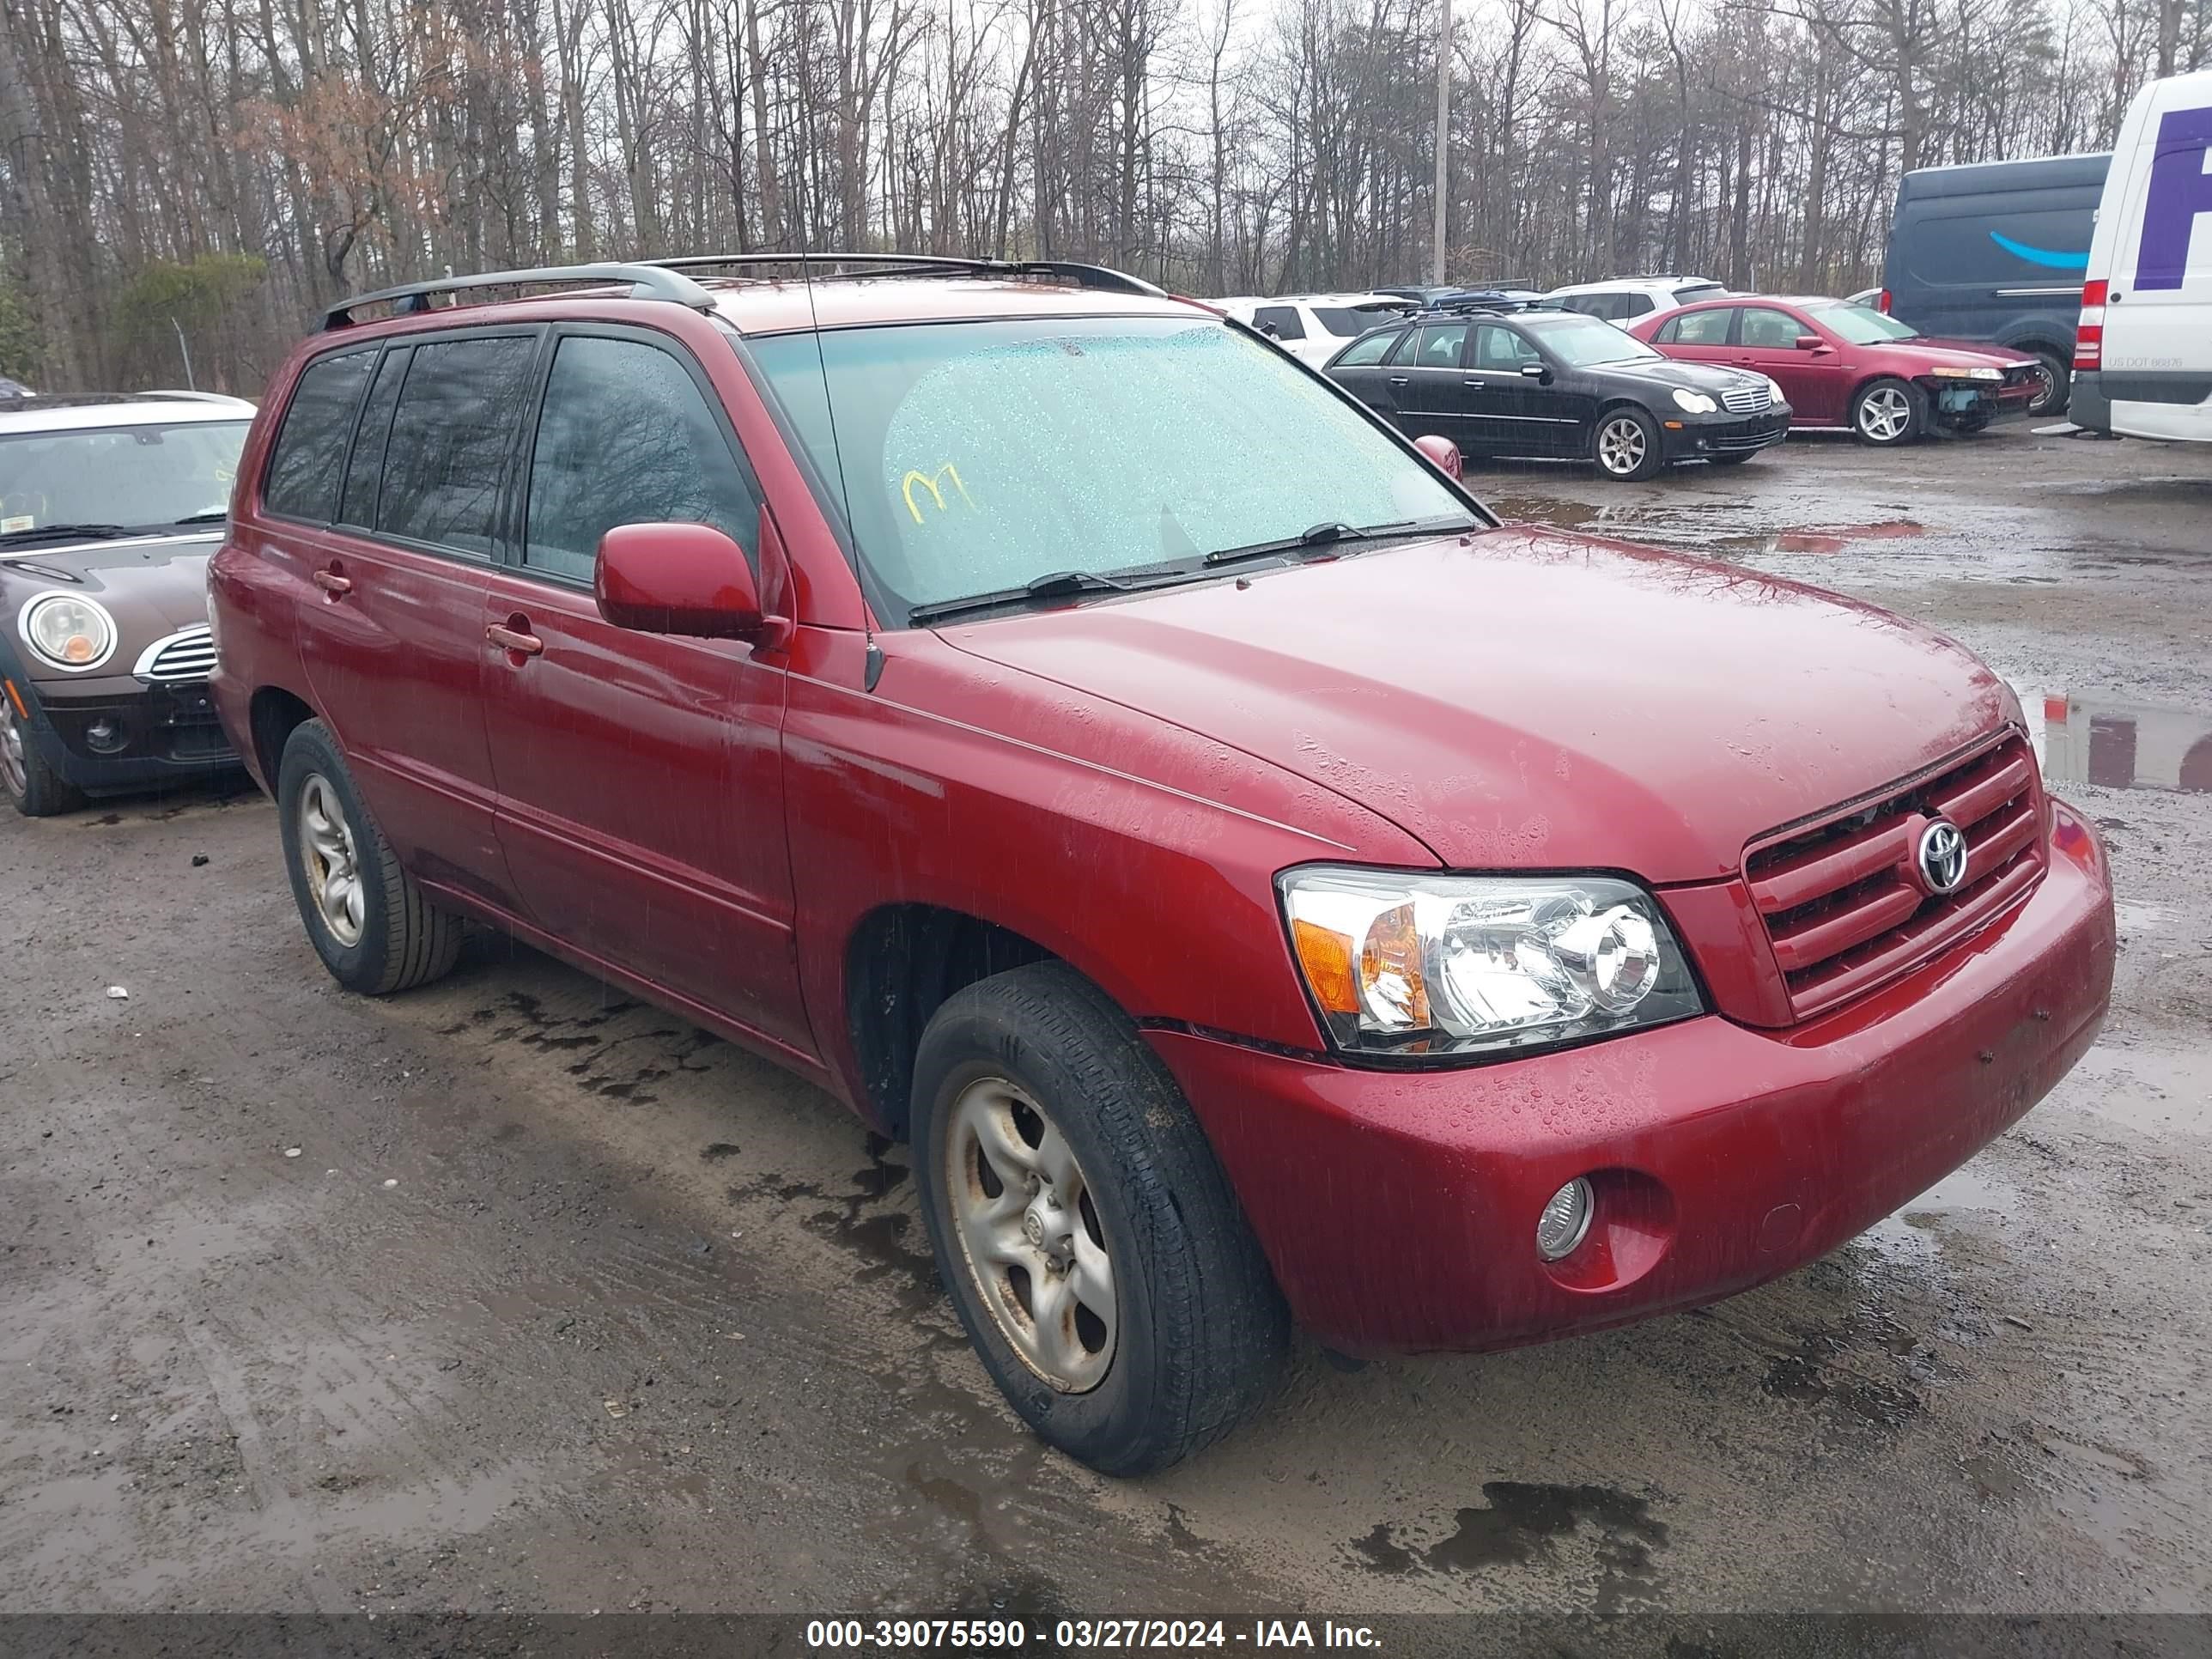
(1565, 1219)
(106, 736)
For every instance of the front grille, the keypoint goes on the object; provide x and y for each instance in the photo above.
(1747, 399)
(188, 654)
(1838, 898)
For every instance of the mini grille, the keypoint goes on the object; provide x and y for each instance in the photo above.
(188, 654)
(1747, 399)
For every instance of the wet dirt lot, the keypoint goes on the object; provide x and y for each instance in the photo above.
(513, 1293)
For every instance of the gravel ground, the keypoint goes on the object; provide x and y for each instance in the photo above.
(516, 1294)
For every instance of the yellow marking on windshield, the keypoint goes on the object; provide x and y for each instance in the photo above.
(930, 481)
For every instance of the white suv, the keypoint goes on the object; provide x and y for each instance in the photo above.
(1626, 299)
(1314, 326)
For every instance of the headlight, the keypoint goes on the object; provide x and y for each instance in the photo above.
(1467, 965)
(1774, 389)
(1694, 403)
(67, 631)
(1948, 374)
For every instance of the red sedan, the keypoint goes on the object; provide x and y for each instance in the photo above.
(1847, 366)
(1098, 751)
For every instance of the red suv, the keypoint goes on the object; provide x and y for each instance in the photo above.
(1099, 751)
(1848, 366)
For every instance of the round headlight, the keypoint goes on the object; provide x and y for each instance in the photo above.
(1693, 403)
(69, 631)
(1612, 957)
(1565, 1220)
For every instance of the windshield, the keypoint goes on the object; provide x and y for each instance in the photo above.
(1858, 324)
(979, 457)
(1579, 341)
(141, 478)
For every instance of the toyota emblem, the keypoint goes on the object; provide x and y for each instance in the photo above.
(1941, 856)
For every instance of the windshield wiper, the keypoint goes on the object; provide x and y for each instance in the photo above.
(213, 515)
(48, 532)
(1054, 584)
(1322, 535)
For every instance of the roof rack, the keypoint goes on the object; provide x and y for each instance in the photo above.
(925, 264)
(649, 282)
(1490, 302)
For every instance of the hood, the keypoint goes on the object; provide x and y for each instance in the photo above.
(1668, 372)
(151, 586)
(1928, 353)
(1521, 699)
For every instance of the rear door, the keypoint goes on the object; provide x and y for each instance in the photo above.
(1815, 380)
(1429, 386)
(1699, 337)
(640, 778)
(2158, 312)
(392, 639)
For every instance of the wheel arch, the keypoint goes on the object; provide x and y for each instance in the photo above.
(273, 713)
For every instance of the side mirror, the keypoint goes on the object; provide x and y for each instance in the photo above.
(1534, 371)
(1443, 451)
(686, 579)
(1810, 343)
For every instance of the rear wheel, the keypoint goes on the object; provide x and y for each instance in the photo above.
(1888, 411)
(33, 787)
(1626, 445)
(2054, 383)
(364, 915)
(1088, 1239)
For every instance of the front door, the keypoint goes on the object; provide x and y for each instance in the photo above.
(1526, 414)
(640, 780)
(1814, 378)
(391, 639)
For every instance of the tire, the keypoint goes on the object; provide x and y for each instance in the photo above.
(1888, 412)
(2058, 389)
(1624, 444)
(31, 784)
(1190, 1333)
(375, 932)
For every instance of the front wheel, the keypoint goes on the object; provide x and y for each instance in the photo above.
(1090, 1242)
(1626, 446)
(33, 787)
(364, 915)
(1887, 412)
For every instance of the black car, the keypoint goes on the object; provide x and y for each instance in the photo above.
(1535, 381)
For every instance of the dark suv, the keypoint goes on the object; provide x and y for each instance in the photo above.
(1098, 751)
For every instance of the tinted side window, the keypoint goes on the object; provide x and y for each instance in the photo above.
(1770, 329)
(310, 452)
(451, 435)
(1370, 350)
(625, 437)
(1704, 328)
(1439, 346)
(366, 470)
(1284, 320)
(1634, 305)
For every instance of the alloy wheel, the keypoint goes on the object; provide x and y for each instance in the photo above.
(1884, 414)
(1621, 445)
(326, 849)
(1030, 1235)
(13, 772)
(2047, 387)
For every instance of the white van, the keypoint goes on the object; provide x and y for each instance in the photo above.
(2143, 356)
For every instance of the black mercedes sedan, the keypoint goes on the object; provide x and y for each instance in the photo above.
(1516, 381)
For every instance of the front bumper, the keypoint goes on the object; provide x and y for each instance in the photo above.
(1685, 438)
(156, 734)
(1955, 403)
(1398, 1209)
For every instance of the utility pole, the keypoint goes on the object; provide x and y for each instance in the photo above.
(1444, 134)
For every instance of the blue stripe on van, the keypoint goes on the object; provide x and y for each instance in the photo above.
(2043, 256)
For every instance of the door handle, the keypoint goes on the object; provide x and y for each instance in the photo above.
(330, 580)
(515, 640)
(1397, 379)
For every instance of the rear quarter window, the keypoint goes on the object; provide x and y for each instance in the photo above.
(1283, 320)
(309, 455)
